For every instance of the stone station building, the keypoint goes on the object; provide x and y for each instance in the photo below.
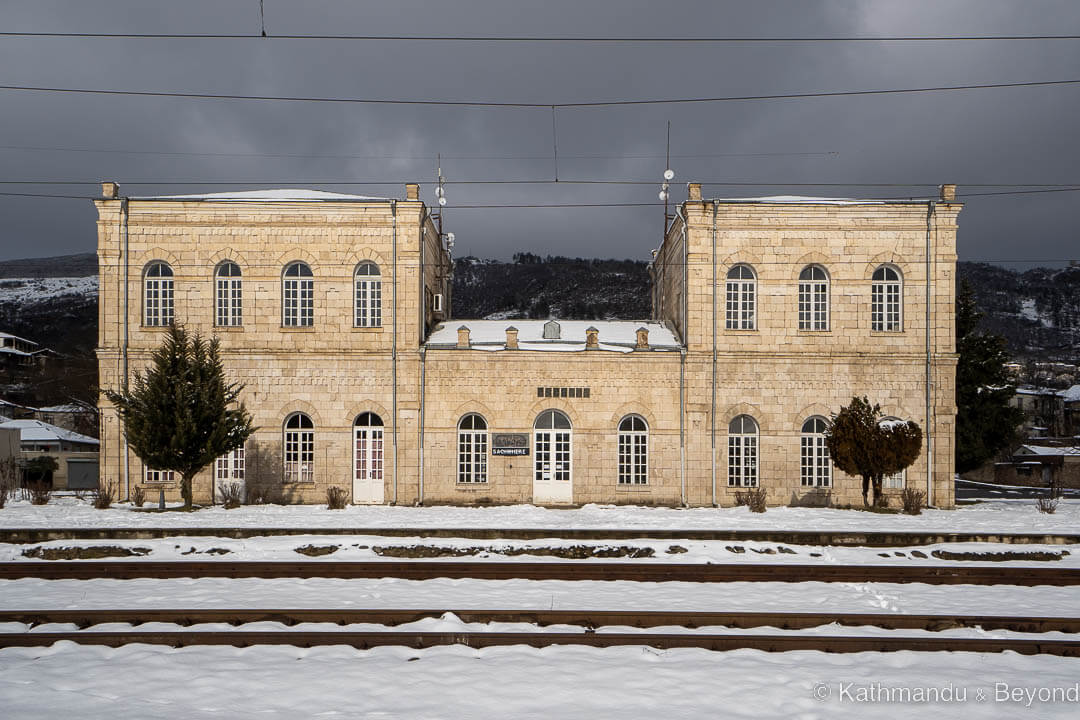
(334, 311)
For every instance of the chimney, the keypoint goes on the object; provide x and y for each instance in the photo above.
(694, 189)
(511, 338)
(642, 339)
(592, 338)
(412, 191)
(948, 193)
(552, 330)
(463, 337)
(110, 190)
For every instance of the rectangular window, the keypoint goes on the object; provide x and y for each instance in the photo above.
(740, 305)
(299, 456)
(299, 302)
(229, 311)
(157, 477)
(472, 456)
(368, 303)
(895, 481)
(230, 467)
(742, 460)
(813, 306)
(633, 458)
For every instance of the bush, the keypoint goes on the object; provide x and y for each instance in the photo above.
(913, 500)
(138, 496)
(336, 497)
(9, 474)
(103, 496)
(754, 498)
(1047, 504)
(39, 491)
(232, 494)
(881, 502)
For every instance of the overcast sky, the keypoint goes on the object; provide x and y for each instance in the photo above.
(1018, 135)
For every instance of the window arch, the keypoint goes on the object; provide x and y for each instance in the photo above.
(741, 298)
(813, 298)
(472, 449)
(367, 295)
(815, 464)
(297, 296)
(743, 452)
(633, 451)
(228, 295)
(552, 420)
(299, 455)
(158, 294)
(886, 300)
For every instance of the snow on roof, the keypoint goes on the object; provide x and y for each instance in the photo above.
(277, 195)
(1035, 391)
(1072, 394)
(66, 408)
(16, 337)
(891, 423)
(801, 200)
(38, 431)
(8, 403)
(1043, 450)
(613, 335)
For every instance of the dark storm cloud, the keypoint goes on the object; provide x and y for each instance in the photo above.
(986, 136)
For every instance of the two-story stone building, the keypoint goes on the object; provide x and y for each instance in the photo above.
(334, 312)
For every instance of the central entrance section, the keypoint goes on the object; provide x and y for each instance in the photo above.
(553, 477)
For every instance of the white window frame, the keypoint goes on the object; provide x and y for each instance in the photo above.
(367, 296)
(158, 477)
(814, 299)
(633, 451)
(298, 456)
(553, 445)
(887, 300)
(228, 295)
(743, 457)
(740, 298)
(472, 450)
(230, 467)
(896, 481)
(815, 463)
(297, 296)
(158, 294)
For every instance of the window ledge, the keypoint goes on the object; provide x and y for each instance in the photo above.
(473, 485)
(815, 332)
(358, 328)
(740, 330)
(155, 327)
(885, 333)
(624, 487)
(297, 328)
(229, 328)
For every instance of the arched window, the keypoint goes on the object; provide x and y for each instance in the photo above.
(743, 452)
(886, 300)
(367, 295)
(815, 465)
(158, 295)
(813, 298)
(299, 446)
(472, 449)
(297, 296)
(633, 451)
(741, 302)
(551, 438)
(228, 296)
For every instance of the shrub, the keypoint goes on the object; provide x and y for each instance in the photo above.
(103, 496)
(232, 494)
(1047, 504)
(336, 497)
(754, 498)
(913, 500)
(9, 474)
(138, 496)
(881, 502)
(40, 491)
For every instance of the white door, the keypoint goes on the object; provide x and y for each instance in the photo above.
(553, 477)
(368, 460)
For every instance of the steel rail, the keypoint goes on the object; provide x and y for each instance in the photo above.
(419, 640)
(585, 618)
(940, 574)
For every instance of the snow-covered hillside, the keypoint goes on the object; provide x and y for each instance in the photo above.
(34, 290)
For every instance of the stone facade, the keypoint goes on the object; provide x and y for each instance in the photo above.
(421, 373)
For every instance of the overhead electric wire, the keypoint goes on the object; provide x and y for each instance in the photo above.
(534, 105)
(680, 39)
(547, 181)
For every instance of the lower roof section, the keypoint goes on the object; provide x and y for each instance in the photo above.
(553, 335)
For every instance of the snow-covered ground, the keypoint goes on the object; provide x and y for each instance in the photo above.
(140, 681)
(1004, 516)
(364, 548)
(28, 290)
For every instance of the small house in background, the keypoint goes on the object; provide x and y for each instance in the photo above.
(70, 416)
(75, 454)
(20, 351)
(1041, 466)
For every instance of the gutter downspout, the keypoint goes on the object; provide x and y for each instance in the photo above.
(124, 345)
(930, 206)
(423, 384)
(682, 356)
(393, 348)
(712, 414)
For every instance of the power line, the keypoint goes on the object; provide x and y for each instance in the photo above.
(676, 39)
(535, 105)
(546, 181)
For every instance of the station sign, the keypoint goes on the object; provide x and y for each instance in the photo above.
(510, 444)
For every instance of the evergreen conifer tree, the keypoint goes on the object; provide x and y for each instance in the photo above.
(860, 443)
(179, 414)
(985, 423)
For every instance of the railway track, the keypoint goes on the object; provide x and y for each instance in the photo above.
(791, 537)
(589, 619)
(419, 640)
(944, 574)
